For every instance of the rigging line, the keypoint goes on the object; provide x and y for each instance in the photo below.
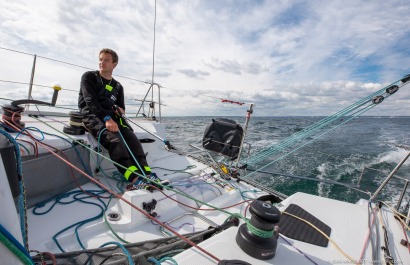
(46, 58)
(396, 212)
(300, 135)
(294, 150)
(324, 235)
(125, 200)
(128, 202)
(162, 104)
(8, 99)
(153, 46)
(371, 223)
(82, 144)
(315, 138)
(25, 83)
(349, 186)
(345, 111)
(174, 190)
(71, 64)
(92, 150)
(386, 250)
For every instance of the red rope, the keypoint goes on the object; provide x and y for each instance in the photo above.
(405, 234)
(52, 257)
(126, 201)
(368, 235)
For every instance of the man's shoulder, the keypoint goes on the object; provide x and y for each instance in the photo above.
(118, 84)
(90, 74)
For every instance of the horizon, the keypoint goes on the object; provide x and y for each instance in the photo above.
(291, 59)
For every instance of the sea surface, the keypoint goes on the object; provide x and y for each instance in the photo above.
(365, 149)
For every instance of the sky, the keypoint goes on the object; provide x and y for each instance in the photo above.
(288, 58)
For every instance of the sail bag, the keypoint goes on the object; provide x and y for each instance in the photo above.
(223, 136)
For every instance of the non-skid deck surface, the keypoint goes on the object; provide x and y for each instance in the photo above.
(297, 229)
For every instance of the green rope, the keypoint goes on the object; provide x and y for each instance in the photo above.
(259, 232)
(165, 187)
(82, 144)
(299, 147)
(353, 111)
(19, 254)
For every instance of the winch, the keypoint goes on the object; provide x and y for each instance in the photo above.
(258, 238)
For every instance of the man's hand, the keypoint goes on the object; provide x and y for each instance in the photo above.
(111, 126)
(118, 110)
(121, 110)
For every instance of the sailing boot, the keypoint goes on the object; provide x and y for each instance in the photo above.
(154, 180)
(140, 184)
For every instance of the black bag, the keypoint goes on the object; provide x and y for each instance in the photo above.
(223, 136)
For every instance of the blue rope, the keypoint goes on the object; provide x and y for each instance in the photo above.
(158, 262)
(30, 128)
(86, 168)
(14, 241)
(129, 257)
(129, 150)
(22, 191)
(132, 155)
(76, 197)
(16, 149)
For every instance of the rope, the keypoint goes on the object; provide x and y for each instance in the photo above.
(129, 203)
(132, 155)
(159, 262)
(259, 232)
(22, 197)
(129, 257)
(99, 184)
(387, 256)
(153, 45)
(298, 250)
(323, 234)
(371, 223)
(60, 200)
(255, 230)
(15, 247)
(353, 111)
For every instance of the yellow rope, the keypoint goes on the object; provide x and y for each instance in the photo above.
(399, 214)
(323, 234)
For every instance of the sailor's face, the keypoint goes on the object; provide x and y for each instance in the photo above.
(106, 64)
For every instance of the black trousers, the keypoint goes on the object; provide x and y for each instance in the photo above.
(117, 148)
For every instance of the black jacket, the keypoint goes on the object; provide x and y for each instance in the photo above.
(97, 98)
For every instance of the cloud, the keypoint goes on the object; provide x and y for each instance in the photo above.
(194, 74)
(234, 67)
(293, 57)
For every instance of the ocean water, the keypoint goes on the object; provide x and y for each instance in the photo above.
(365, 149)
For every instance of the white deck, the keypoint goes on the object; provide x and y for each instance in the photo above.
(349, 231)
(349, 222)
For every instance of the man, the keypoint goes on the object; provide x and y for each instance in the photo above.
(101, 100)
